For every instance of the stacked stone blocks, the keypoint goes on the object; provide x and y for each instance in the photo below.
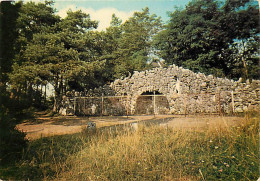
(186, 92)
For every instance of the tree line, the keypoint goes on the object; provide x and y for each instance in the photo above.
(39, 48)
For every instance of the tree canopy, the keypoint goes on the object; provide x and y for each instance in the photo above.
(69, 53)
(204, 36)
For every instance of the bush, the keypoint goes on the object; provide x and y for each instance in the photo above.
(12, 141)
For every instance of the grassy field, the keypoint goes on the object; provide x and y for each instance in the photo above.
(150, 153)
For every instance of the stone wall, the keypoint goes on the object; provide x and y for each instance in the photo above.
(186, 92)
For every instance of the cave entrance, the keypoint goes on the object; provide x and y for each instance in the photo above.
(152, 103)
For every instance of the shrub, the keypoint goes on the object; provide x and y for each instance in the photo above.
(12, 141)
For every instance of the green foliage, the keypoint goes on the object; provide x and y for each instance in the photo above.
(8, 35)
(12, 141)
(42, 157)
(68, 54)
(33, 18)
(200, 37)
(54, 51)
(245, 62)
(130, 43)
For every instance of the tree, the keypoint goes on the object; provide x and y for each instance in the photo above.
(12, 141)
(29, 19)
(245, 60)
(242, 18)
(61, 54)
(200, 37)
(8, 36)
(133, 42)
(33, 18)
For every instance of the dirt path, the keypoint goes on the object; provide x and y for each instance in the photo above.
(43, 126)
(200, 122)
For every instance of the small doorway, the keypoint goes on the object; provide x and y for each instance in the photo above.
(152, 103)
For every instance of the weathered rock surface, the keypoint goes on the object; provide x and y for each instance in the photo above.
(186, 92)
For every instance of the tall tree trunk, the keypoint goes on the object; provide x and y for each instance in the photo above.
(56, 94)
(30, 91)
(45, 92)
(61, 85)
(41, 90)
(244, 60)
(245, 67)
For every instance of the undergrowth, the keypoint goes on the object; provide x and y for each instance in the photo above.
(150, 153)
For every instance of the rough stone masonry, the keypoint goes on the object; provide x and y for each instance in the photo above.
(186, 92)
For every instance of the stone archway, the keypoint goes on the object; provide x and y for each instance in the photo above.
(152, 103)
(175, 88)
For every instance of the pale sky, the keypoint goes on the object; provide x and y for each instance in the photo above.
(102, 10)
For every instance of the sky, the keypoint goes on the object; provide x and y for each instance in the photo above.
(102, 10)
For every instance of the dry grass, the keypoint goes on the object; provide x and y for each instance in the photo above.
(159, 153)
(61, 125)
(214, 151)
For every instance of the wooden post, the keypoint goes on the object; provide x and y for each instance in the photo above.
(74, 107)
(41, 90)
(84, 109)
(45, 92)
(154, 103)
(79, 111)
(102, 104)
(219, 105)
(127, 106)
(233, 104)
(185, 106)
